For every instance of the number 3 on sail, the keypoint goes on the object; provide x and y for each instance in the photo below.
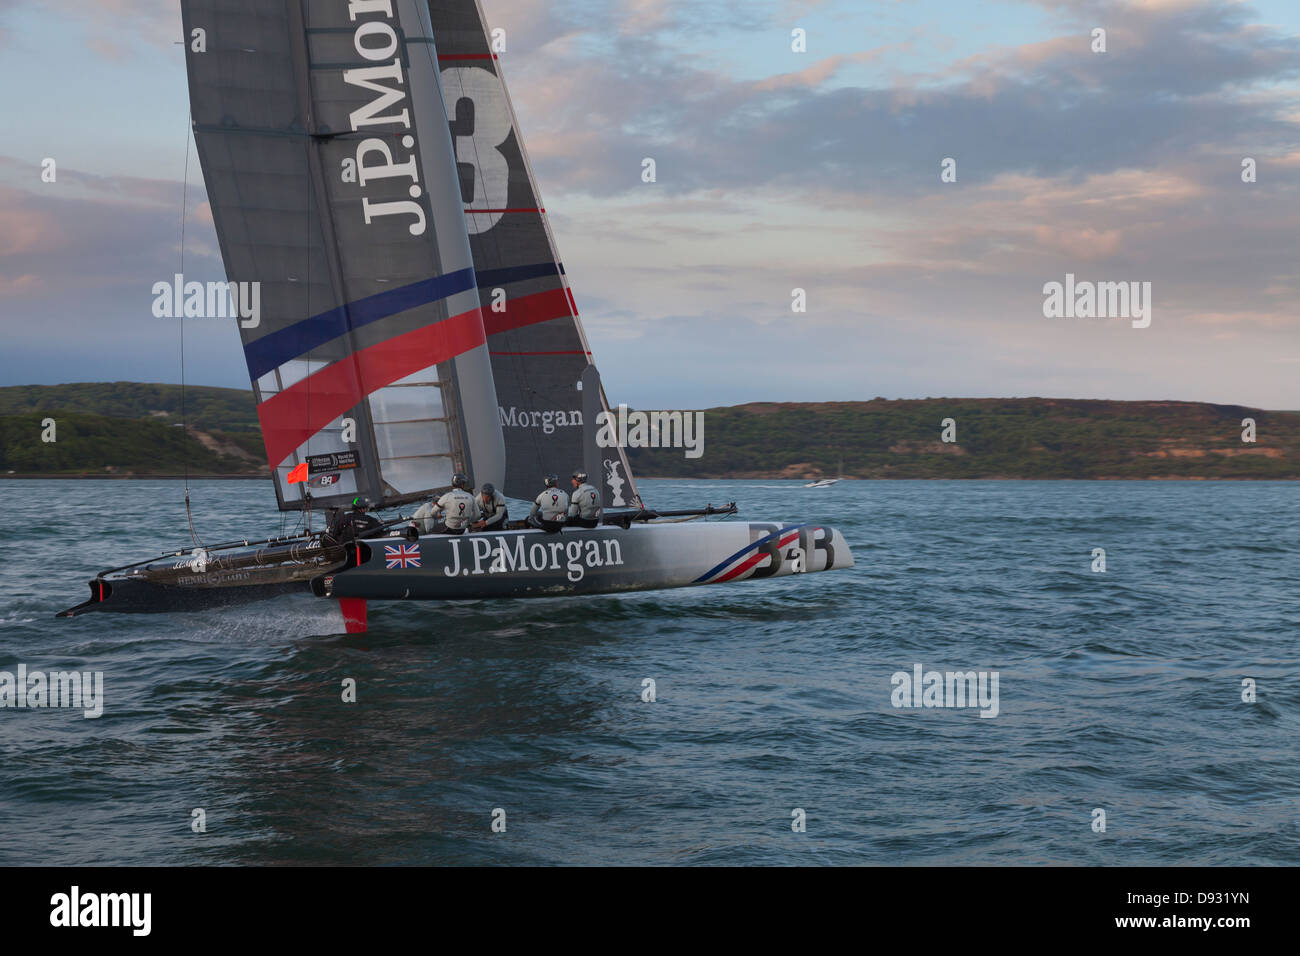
(479, 128)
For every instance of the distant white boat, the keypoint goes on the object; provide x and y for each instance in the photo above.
(827, 482)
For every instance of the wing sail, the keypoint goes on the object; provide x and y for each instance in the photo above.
(332, 184)
(538, 347)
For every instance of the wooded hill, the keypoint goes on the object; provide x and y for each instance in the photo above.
(995, 438)
(128, 428)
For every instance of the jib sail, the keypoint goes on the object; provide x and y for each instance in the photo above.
(538, 348)
(329, 168)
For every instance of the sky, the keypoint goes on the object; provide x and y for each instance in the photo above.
(776, 170)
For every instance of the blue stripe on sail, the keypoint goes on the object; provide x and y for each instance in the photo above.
(271, 351)
(498, 277)
(716, 569)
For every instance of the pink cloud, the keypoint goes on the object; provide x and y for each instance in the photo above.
(24, 228)
(18, 286)
(819, 72)
(1079, 243)
(156, 22)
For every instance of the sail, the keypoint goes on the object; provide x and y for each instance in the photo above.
(538, 348)
(332, 184)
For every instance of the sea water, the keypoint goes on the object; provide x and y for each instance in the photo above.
(1147, 713)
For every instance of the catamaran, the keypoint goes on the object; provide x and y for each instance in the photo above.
(365, 169)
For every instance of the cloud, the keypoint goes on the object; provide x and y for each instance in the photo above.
(78, 259)
(24, 228)
(112, 27)
(819, 72)
(18, 285)
(641, 15)
(92, 246)
(1177, 78)
(1117, 166)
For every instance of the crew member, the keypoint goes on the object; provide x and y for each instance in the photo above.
(354, 524)
(584, 506)
(457, 507)
(423, 521)
(550, 507)
(491, 509)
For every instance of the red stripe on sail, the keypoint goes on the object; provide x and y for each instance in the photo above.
(466, 56)
(519, 209)
(300, 411)
(528, 310)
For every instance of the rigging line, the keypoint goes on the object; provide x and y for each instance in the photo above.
(185, 427)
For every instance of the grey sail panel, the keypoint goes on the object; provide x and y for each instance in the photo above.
(332, 184)
(538, 347)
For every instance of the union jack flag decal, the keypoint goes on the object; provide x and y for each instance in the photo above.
(401, 556)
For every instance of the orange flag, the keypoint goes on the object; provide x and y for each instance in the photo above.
(298, 474)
